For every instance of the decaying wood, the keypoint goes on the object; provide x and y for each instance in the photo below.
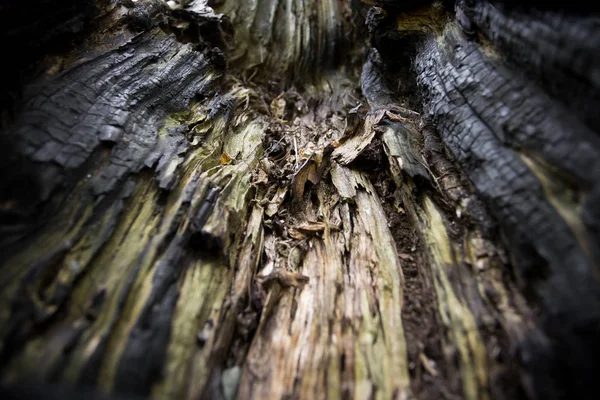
(249, 199)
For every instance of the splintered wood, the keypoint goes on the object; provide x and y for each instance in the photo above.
(232, 211)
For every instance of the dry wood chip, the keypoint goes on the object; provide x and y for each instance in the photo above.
(355, 145)
(276, 201)
(428, 364)
(278, 107)
(314, 227)
(296, 234)
(226, 159)
(396, 117)
(261, 177)
(307, 172)
(284, 278)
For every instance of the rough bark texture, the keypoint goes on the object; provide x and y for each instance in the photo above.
(300, 199)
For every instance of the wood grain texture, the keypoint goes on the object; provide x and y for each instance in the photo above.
(302, 199)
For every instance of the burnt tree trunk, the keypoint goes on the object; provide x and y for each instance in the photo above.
(300, 199)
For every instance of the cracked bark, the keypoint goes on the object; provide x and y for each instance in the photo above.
(300, 199)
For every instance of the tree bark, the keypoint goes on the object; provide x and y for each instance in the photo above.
(300, 199)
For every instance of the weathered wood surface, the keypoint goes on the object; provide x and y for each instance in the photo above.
(218, 199)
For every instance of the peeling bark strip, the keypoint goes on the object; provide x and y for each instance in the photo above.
(245, 199)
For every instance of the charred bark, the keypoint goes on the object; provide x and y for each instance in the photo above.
(301, 199)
